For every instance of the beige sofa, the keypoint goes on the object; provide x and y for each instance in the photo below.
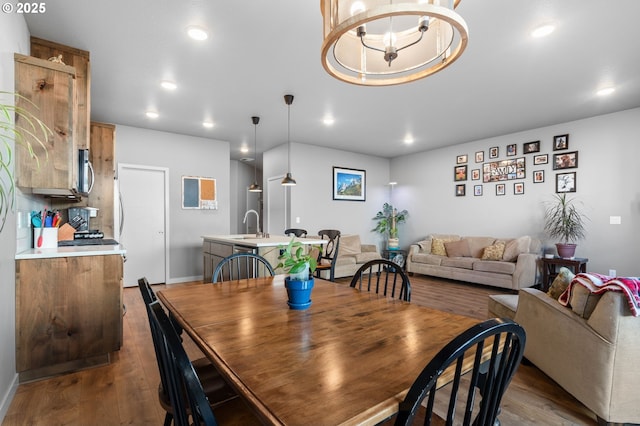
(352, 254)
(594, 357)
(477, 259)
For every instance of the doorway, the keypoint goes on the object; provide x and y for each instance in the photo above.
(142, 221)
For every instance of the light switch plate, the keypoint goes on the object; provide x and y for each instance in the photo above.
(615, 220)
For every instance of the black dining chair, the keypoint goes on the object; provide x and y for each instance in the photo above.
(474, 394)
(186, 393)
(217, 390)
(300, 233)
(240, 266)
(329, 254)
(383, 276)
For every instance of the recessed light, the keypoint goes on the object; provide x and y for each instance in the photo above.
(605, 91)
(152, 114)
(207, 124)
(543, 31)
(244, 150)
(197, 33)
(169, 85)
(408, 139)
(328, 121)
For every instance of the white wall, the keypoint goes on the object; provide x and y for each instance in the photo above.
(183, 156)
(607, 185)
(14, 37)
(312, 197)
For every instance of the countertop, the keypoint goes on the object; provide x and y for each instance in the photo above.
(249, 240)
(71, 251)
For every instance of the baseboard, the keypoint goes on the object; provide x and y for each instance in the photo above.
(8, 397)
(184, 279)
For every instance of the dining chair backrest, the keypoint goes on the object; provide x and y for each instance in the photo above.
(327, 258)
(483, 359)
(184, 387)
(384, 277)
(240, 266)
(300, 233)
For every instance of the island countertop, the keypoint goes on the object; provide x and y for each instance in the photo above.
(71, 251)
(250, 240)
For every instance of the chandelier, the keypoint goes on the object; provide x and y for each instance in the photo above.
(386, 42)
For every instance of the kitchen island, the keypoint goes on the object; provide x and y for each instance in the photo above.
(68, 308)
(217, 247)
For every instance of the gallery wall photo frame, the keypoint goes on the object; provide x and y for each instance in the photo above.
(540, 159)
(475, 174)
(560, 142)
(538, 176)
(500, 189)
(494, 151)
(349, 184)
(565, 160)
(461, 190)
(459, 173)
(518, 188)
(479, 156)
(566, 182)
(462, 159)
(531, 147)
(512, 150)
(477, 190)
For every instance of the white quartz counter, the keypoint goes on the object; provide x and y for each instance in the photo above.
(71, 251)
(250, 240)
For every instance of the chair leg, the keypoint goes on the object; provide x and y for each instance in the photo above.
(168, 418)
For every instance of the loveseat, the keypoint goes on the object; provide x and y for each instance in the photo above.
(500, 262)
(590, 348)
(352, 254)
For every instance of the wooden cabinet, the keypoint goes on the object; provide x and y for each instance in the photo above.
(47, 90)
(102, 197)
(213, 253)
(68, 313)
(79, 60)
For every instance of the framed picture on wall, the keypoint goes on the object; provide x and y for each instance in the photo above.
(459, 173)
(461, 159)
(461, 190)
(500, 189)
(566, 182)
(538, 176)
(560, 142)
(518, 188)
(475, 174)
(531, 147)
(493, 152)
(349, 184)
(566, 160)
(541, 159)
(512, 149)
(477, 190)
(479, 156)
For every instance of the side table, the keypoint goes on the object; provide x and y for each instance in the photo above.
(397, 256)
(550, 265)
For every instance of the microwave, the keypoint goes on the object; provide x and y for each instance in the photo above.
(86, 176)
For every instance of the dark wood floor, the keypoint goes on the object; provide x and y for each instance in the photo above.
(124, 392)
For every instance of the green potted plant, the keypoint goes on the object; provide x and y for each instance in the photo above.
(564, 221)
(18, 127)
(300, 265)
(388, 220)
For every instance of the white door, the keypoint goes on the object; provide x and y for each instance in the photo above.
(144, 195)
(277, 206)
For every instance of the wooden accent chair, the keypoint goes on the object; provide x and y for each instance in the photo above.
(327, 259)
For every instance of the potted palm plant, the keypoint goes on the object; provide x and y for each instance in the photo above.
(388, 220)
(300, 265)
(564, 221)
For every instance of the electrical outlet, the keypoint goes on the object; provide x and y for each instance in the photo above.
(615, 220)
(612, 273)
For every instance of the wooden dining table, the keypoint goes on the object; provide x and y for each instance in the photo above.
(349, 359)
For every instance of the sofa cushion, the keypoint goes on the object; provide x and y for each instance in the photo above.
(348, 259)
(425, 245)
(560, 282)
(477, 245)
(494, 266)
(582, 301)
(366, 256)
(515, 247)
(502, 305)
(427, 258)
(349, 244)
(494, 251)
(457, 248)
(458, 262)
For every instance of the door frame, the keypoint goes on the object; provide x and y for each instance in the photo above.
(165, 172)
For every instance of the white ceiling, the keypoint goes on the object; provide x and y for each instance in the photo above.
(260, 50)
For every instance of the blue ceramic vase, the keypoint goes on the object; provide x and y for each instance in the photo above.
(299, 292)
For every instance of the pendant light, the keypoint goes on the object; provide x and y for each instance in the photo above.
(254, 187)
(288, 179)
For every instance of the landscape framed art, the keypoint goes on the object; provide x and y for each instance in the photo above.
(349, 184)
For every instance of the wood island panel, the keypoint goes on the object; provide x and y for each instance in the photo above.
(68, 313)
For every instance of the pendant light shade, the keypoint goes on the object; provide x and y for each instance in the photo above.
(255, 187)
(288, 179)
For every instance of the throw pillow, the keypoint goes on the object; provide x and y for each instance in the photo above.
(457, 248)
(582, 301)
(494, 252)
(437, 246)
(516, 247)
(560, 283)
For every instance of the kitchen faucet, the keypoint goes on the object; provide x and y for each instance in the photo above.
(258, 234)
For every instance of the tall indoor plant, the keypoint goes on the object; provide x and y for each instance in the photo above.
(388, 220)
(300, 264)
(563, 220)
(18, 128)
